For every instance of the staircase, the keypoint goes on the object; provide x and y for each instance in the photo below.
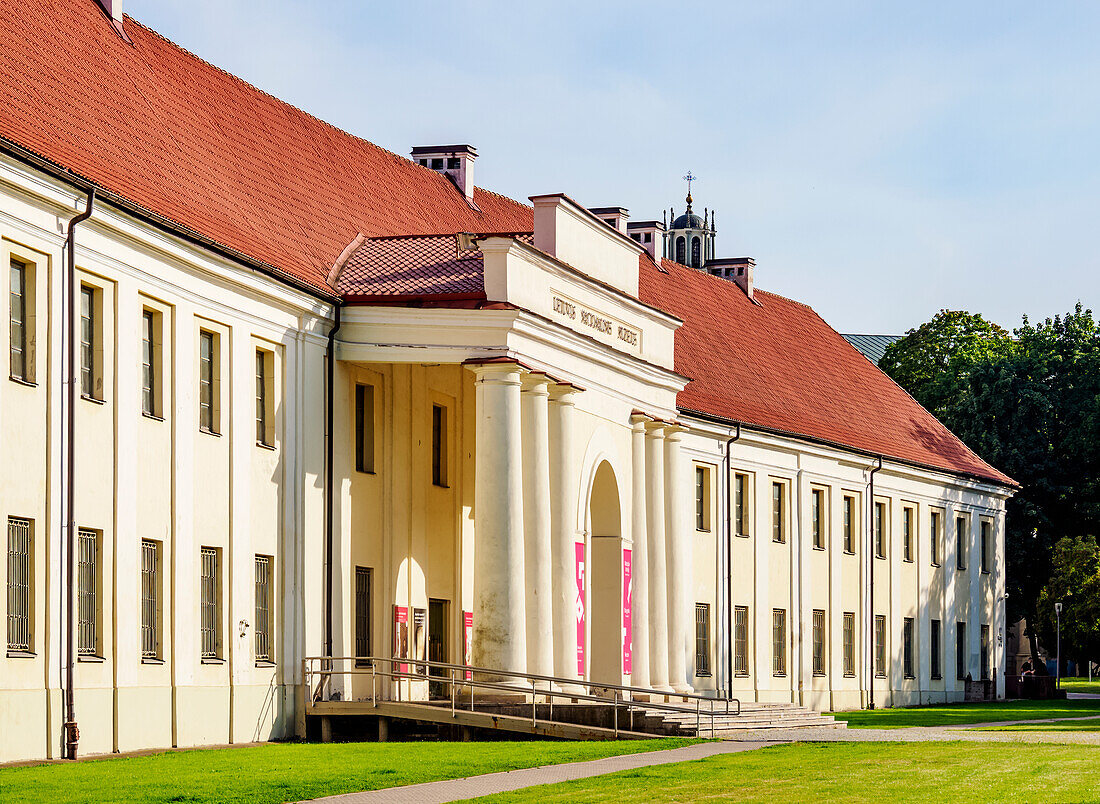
(753, 716)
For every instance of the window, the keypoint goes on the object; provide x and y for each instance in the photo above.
(362, 615)
(702, 498)
(437, 164)
(695, 258)
(265, 403)
(150, 599)
(779, 642)
(149, 363)
(960, 542)
(934, 649)
(87, 593)
(741, 640)
(985, 652)
(264, 581)
(364, 428)
(20, 573)
(90, 384)
(849, 524)
(819, 642)
(21, 321)
(907, 646)
(817, 515)
(208, 382)
(740, 504)
(880, 645)
(439, 445)
(210, 603)
(960, 651)
(985, 529)
(681, 250)
(702, 639)
(907, 519)
(880, 529)
(849, 644)
(454, 163)
(934, 537)
(779, 505)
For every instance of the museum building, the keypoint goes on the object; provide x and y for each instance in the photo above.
(326, 400)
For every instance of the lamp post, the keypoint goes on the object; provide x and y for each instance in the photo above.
(1058, 649)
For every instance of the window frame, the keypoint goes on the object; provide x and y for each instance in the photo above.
(210, 604)
(880, 521)
(702, 640)
(779, 508)
(265, 397)
(91, 342)
(150, 596)
(263, 636)
(209, 382)
(850, 508)
(440, 445)
(779, 643)
(907, 647)
(26, 271)
(908, 531)
(742, 502)
(20, 587)
(935, 654)
(365, 402)
(985, 528)
(819, 642)
(703, 497)
(880, 646)
(984, 648)
(936, 518)
(849, 644)
(819, 517)
(150, 349)
(962, 535)
(740, 641)
(363, 614)
(89, 593)
(960, 650)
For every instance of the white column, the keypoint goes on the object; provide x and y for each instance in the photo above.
(678, 547)
(658, 577)
(563, 510)
(999, 624)
(639, 602)
(976, 609)
(952, 607)
(536, 523)
(499, 612)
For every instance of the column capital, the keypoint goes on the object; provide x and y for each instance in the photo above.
(535, 383)
(496, 370)
(639, 421)
(655, 428)
(563, 393)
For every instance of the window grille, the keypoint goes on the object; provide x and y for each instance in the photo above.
(849, 643)
(18, 321)
(985, 652)
(87, 341)
(849, 525)
(148, 364)
(935, 540)
(880, 645)
(740, 514)
(907, 646)
(87, 592)
(362, 615)
(210, 624)
(20, 566)
(819, 642)
(741, 640)
(934, 649)
(817, 514)
(207, 368)
(960, 651)
(960, 542)
(150, 600)
(263, 609)
(778, 534)
(364, 428)
(702, 639)
(779, 642)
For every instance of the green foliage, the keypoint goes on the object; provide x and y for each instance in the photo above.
(1075, 583)
(1030, 407)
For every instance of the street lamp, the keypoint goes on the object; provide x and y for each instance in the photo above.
(1058, 651)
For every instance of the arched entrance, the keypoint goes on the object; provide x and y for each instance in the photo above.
(605, 577)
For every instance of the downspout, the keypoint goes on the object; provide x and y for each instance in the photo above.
(72, 733)
(729, 564)
(872, 552)
(330, 498)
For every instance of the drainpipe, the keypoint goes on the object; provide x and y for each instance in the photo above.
(729, 564)
(72, 733)
(872, 553)
(330, 497)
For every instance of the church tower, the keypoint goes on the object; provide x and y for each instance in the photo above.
(690, 239)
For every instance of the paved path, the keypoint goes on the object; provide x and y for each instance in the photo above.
(489, 783)
(915, 734)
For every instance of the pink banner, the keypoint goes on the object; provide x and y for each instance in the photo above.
(401, 636)
(468, 641)
(580, 607)
(628, 632)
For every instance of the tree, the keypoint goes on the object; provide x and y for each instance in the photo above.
(1030, 407)
(934, 361)
(1075, 583)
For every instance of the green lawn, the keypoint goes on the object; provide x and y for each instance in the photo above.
(1081, 685)
(963, 714)
(278, 773)
(937, 773)
(1065, 725)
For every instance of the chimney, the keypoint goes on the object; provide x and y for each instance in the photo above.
(113, 9)
(649, 234)
(737, 269)
(456, 162)
(615, 217)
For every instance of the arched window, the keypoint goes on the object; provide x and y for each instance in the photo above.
(696, 262)
(681, 253)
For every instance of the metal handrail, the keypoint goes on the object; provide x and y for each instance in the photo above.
(535, 691)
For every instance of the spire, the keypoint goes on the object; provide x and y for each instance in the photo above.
(689, 178)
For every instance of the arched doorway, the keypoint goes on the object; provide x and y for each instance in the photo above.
(605, 577)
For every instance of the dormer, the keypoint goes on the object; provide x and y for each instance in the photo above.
(454, 161)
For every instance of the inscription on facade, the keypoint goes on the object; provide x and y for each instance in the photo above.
(597, 324)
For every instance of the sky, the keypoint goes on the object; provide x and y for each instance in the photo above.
(879, 160)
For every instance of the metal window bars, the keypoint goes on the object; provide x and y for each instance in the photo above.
(87, 593)
(263, 608)
(150, 600)
(318, 673)
(19, 584)
(210, 616)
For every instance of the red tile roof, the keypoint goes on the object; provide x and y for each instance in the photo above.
(778, 365)
(163, 129)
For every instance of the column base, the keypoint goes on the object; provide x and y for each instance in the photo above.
(683, 689)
